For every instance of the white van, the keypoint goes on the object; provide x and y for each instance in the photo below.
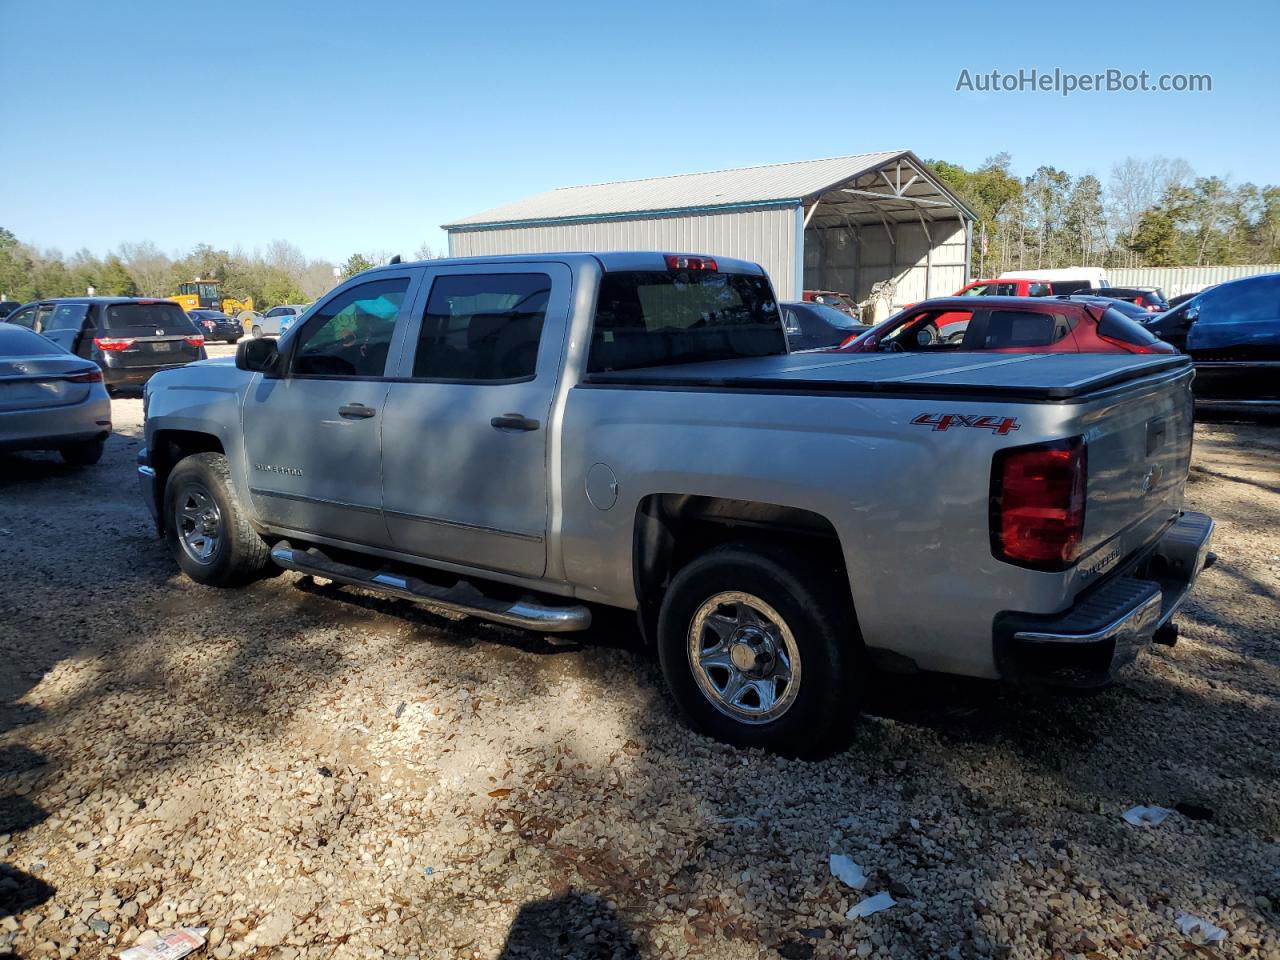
(1064, 279)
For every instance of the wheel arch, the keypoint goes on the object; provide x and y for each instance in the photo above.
(168, 447)
(673, 529)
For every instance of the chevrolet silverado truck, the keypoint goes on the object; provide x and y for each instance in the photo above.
(534, 439)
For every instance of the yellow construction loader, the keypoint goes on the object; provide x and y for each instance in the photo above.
(204, 295)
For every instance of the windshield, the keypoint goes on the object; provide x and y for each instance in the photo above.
(164, 315)
(653, 318)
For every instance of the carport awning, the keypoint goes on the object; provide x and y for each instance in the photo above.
(901, 190)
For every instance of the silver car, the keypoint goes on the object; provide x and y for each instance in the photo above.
(50, 399)
(276, 320)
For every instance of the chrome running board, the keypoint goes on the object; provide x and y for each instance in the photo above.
(462, 598)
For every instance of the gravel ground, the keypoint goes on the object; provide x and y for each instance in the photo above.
(310, 771)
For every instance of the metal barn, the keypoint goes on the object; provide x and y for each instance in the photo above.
(844, 223)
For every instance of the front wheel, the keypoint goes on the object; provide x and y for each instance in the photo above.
(206, 526)
(759, 648)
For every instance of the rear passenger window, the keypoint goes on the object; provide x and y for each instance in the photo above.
(350, 336)
(66, 316)
(1017, 328)
(483, 327)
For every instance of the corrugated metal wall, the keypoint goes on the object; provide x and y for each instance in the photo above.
(833, 261)
(766, 237)
(1177, 280)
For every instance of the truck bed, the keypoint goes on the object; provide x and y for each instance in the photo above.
(1035, 378)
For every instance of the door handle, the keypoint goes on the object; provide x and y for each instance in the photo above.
(514, 421)
(356, 411)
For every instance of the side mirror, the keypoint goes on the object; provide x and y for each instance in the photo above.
(1193, 312)
(259, 355)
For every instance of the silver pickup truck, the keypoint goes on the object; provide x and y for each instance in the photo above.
(528, 439)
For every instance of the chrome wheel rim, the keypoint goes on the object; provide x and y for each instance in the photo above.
(198, 522)
(744, 657)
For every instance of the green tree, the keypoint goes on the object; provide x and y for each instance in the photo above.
(356, 263)
(1155, 238)
(116, 281)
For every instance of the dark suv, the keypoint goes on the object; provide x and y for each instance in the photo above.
(128, 337)
(1151, 299)
(216, 325)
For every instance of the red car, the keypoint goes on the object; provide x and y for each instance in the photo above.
(1009, 325)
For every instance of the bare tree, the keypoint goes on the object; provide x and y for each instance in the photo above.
(1137, 185)
(428, 252)
(148, 265)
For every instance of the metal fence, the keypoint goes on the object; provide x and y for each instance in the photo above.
(1177, 280)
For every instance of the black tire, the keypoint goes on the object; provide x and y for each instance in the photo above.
(113, 391)
(238, 554)
(813, 607)
(83, 454)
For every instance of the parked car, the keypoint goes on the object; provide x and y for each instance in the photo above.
(843, 302)
(1232, 332)
(216, 325)
(813, 326)
(288, 321)
(269, 323)
(50, 399)
(1006, 288)
(7, 307)
(1075, 324)
(130, 338)
(629, 430)
(1151, 299)
(1126, 307)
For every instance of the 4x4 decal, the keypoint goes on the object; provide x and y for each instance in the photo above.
(945, 421)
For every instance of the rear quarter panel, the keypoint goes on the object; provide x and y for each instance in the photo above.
(910, 503)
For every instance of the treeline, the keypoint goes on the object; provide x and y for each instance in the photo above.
(1151, 212)
(279, 274)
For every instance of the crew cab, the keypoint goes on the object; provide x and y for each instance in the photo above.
(535, 439)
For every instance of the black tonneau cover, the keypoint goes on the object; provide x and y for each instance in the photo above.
(1036, 377)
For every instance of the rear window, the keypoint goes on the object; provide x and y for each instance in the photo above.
(1072, 286)
(832, 317)
(21, 342)
(158, 316)
(653, 318)
(1116, 326)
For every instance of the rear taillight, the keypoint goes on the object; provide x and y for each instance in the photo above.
(678, 261)
(194, 341)
(1037, 504)
(89, 376)
(112, 344)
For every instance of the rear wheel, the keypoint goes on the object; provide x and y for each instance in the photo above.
(759, 649)
(207, 527)
(83, 454)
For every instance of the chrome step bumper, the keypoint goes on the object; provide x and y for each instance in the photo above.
(1104, 630)
(460, 598)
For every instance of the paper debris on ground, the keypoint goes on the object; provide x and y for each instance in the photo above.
(181, 942)
(1201, 931)
(865, 908)
(847, 872)
(1151, 816)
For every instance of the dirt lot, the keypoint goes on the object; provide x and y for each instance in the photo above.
(313, 772)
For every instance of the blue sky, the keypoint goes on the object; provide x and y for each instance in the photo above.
(349, 127)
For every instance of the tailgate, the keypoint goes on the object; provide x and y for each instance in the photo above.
(148, 334)
(1139, 451)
